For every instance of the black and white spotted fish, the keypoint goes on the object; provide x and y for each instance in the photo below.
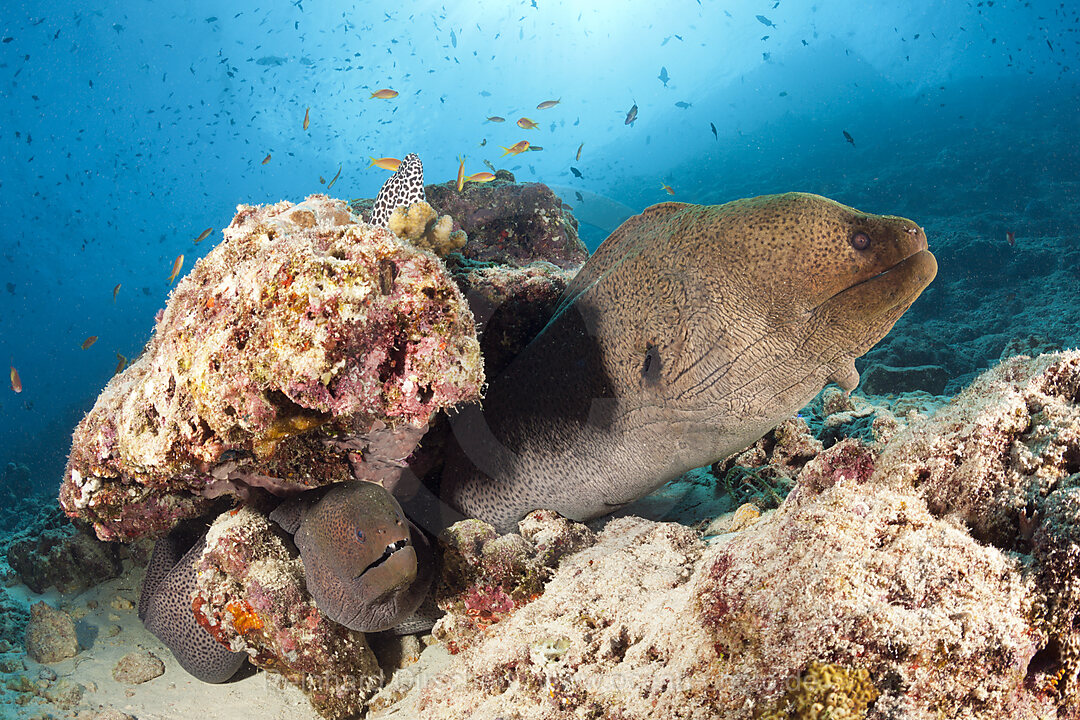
(404, 187)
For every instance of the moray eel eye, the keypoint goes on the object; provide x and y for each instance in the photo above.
(860, 241)
(360, 535)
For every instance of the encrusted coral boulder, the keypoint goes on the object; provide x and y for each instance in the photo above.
(251, 596)
(511, 223)
(53, 551)
(930, 574)
(276, 360)
(487, 576)
(1004, 459)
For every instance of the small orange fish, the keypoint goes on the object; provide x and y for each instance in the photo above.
(177, 264)
(480, 177)
(516, 148)
(114, 291)
(203, 235)
(526, 124)
(667, 188)
(390, 164)
(16, 382)
(1010, 237)
(121, 361)
(307, 118)
(547, 104)
(384, 94)
(578, 156)
(496, 118)
(88, 342)
(266, 159)
(334, 179)
(461, 174)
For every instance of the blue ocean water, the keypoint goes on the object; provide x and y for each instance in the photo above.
(127, 128)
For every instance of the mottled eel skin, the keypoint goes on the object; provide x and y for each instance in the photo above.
(690, 333)
(165, 609)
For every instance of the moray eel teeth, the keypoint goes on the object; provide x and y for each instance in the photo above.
(390, 550)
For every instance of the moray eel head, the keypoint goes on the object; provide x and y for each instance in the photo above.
(358, 555)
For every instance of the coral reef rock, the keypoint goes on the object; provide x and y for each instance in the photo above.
(487, 577)
(50, 634)
(52, 551)
(251, 596)
(277, 361)
(511, 223)
(511, 305)
(932, 574)
(138, 667)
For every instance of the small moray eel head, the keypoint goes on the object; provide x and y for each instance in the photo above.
(359, 556)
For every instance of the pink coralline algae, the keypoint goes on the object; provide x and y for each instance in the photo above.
(251, 596)
(305, 349)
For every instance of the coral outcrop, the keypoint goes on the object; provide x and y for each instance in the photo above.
(420, 225)
(511, 223)
(932, 574)
(487, 577)
(51, 551)
(284, 360)
(251, 596)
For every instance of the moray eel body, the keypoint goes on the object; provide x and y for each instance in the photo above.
(405, 187)
(165, 609)
(366, 566)
(690, 333)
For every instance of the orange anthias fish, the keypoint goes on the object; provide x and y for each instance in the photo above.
(177, 264)
(461, 174)
(203, 235)
(547, 104)
(480, 177)
(114, 291)
(384, 94)
(667, 188)
(16, 382)
(390, 164)
(307, 118)
(526, 124)
(496, 118)
(88, 342)
(516, 148)
(578, 156)
(266, 159)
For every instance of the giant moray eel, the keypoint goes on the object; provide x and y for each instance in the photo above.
(690, 333)
(365, 565)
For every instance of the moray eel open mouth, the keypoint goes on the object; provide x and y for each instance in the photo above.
(388, 552)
